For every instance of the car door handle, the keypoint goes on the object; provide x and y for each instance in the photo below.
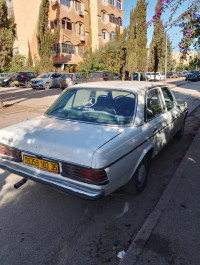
(155, 130)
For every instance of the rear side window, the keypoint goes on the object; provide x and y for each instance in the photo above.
(169, 99)
(154, 103)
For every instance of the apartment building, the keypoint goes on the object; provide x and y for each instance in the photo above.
(177, 56)
(84, 24)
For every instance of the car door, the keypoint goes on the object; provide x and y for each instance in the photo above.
(157, 119)
(54, 80)
(173, 110)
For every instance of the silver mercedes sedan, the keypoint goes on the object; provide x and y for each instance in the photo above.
(95, 138)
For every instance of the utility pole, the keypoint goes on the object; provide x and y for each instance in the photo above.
(165, 56)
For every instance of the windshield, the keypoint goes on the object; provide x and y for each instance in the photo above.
(44, 75)
(102, 106)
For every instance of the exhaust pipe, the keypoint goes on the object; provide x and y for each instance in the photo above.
(20, 183)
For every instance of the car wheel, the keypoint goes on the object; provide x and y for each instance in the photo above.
(180, 133)
(10, 84)
(47, 86)
(27, 84)
(139, 180)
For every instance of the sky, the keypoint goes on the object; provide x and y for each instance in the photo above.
(174, 34)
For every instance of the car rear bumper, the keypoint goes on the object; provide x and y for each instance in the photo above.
(90, 192)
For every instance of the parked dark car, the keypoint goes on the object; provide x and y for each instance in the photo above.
(172, 75)
(142, 76)
(193, 75)
(8, 80)
(24, 79)
(101, 76)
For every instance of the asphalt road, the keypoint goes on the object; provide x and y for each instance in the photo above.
(40, 225)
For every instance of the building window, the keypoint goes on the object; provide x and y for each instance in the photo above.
(103, 16)
(80, 29)
(77, 5)
(104, 1)
(67, 24)
(53, 24)
(66, 47)
(119, 21)
(112, 35)
(112, 18)
(104, 34)
(119, 4)
(112, 2)
(65, 2)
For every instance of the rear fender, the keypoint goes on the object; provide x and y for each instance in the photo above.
(148, 151)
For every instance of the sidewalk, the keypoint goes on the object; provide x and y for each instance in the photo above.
(171, 233)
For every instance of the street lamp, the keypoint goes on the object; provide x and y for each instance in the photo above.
(165, 56)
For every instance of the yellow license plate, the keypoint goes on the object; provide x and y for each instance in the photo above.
(41, 163)
(16, 81)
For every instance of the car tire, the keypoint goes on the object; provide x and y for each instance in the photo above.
(27, 84)
(10, 84)
(139, 179)
(180, 133)
(47, 86)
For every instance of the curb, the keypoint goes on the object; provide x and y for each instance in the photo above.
(144, 234)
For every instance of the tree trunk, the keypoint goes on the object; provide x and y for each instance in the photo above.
(1, 103)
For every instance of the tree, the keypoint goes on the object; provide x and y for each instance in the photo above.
(188, 21)
(156, 46)
(45, 39)
(131, 59)
(7, 36)
(29, 61)
(17, 63)
(141, 36)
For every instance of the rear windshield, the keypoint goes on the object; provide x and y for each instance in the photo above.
(96, 74)
(67, 76)
(101, 106)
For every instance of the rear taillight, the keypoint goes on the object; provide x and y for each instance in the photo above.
(10, 152)
(84, 173)
(103, 79)
(23, 76)
(71, 79)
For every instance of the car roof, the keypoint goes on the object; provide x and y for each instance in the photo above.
(135, 86)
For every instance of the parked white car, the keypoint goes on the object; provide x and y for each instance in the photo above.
(158, 76)
(95, 138)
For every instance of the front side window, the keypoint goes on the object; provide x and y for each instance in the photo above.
(67, 24)
(112, 2)
(154, 104)
(65, 2)
(119, 4)
(104, 34)
(102, 106)
(169, 99)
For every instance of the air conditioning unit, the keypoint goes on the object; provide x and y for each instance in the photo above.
(82, 38)
(53, 2)
(81, 12)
